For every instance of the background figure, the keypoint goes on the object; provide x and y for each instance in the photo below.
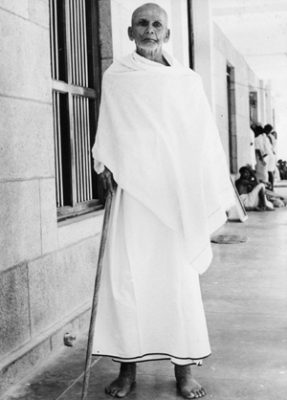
(261, 154)
(252, 193)
(252, 147)
(282, 167)
(271, 159)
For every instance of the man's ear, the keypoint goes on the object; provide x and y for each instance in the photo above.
(130, 33)
(167, 36)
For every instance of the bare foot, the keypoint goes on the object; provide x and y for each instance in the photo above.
(188, 387)
(121, 386)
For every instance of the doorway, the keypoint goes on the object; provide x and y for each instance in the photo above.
(231, 107)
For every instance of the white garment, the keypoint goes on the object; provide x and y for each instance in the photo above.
(252, 148)
(150, 303)
(271, 162)
(261, 167)
(251, 200)
(157, 136)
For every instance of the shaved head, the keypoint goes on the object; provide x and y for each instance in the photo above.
(149, 30)
(149, 6)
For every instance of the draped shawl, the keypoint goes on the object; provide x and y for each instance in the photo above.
(157, 135)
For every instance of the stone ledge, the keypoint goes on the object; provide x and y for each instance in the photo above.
(22, 363)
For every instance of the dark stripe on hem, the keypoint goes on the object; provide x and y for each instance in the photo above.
(166, 357)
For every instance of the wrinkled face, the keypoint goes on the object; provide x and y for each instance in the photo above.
(149, 28)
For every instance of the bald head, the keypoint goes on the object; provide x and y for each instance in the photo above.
(153, 7)
(149, 30)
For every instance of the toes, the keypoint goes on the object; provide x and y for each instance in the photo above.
(114, 392)
(111, 391)
(194, 394)
(107, 390)
(189, 395)
(122, 393)
(201, 393)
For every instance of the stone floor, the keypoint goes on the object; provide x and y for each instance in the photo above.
(245, 297)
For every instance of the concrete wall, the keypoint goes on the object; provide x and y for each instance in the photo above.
(203, 45)
(46, 269)
(245, 80)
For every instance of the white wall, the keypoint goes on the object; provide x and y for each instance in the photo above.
(245, 79)
(203, 45)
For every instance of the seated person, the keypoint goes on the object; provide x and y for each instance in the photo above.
(251, 192)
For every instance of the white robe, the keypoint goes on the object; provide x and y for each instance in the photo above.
(157, 136)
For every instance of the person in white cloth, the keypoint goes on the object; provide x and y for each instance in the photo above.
(158, 149)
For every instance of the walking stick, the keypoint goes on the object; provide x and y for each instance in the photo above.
(96, 295)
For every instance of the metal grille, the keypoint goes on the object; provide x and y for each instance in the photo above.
(82, 149)
(58, 150)
(75, 74)
(78, 37)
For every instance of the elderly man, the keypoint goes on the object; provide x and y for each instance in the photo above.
(158, 149)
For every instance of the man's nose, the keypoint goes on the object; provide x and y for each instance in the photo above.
(150, 29)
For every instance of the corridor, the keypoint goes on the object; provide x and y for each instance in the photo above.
(245, 297)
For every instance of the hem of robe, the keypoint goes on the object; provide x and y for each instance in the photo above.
(157, 357)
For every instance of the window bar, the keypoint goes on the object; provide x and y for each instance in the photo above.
(84, 148)
(76, 23)
(58, 155)
(69, 20)
(77, 161)
(89, 147)
(58, 196)
(57, 74)
(72, 47)
(81, 69)
(81, 41)
(81, 149)
(83, 50)
(80, 164)
(86, 74)
(52, 19)
(72, 121)
(79, 33)
(59, 137)
(69, 41)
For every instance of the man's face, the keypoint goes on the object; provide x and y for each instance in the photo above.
(149, 28)
(245, 174)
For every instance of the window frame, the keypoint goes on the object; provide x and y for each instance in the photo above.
(72, 90)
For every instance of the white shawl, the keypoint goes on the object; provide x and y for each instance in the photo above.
(157, 135)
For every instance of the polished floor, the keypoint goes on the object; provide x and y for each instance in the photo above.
(245, 297)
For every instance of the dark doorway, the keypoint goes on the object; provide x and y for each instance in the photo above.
(190, 33)
(253, 107)
(231, 106)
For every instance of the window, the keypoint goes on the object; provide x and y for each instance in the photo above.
(75, 86)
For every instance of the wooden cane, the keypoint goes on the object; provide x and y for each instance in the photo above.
(96, 295)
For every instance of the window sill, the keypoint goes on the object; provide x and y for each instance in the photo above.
(81, 227)
(70, 213)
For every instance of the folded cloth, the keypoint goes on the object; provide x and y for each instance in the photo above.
(157, 135)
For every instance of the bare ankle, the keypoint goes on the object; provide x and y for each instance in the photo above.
(128, 369)
(182, 371)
